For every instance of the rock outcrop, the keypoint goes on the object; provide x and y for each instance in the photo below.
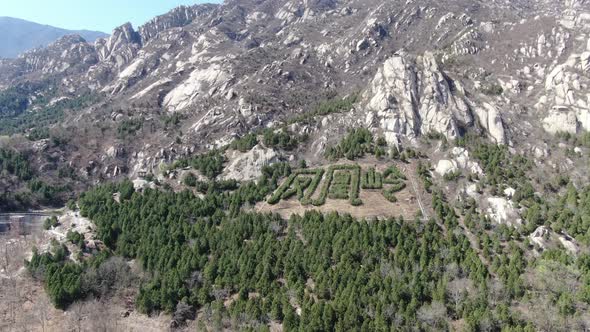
(207, 81)
(545, 238)
(561, 120)
(67, 53)
(248, 166)
(490, 119)
(502, 211)
(120, 47)
(445, 167)
(177, 17)
(460, 160)
(413, 97)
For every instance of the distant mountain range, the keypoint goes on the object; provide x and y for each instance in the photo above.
(18, 36)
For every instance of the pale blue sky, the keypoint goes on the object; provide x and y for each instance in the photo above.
(100, 15)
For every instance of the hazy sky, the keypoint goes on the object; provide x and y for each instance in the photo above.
(100, 15)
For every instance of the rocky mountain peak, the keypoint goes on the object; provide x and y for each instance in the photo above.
(178, 17)
(122, 45)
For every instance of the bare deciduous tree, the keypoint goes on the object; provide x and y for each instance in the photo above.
(497, 292)
(100, 317)
(433, 314)
(458, 290)
(40, 311)
(75, 316)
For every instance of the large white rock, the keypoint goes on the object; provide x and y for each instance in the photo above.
(585, 61)
(540, 236)
(120, 47)
(545, 238)
(509, 192)
(561, 119)
(471, 190)
(460, 160)
(568, 243)
(461, 156)
(502, 211)
(491, 120)
(413, 97)
(201, 81)
(560, 81)
(151, 87)
(248, 166)
(583, 117)
(140, 184)
(445, 166)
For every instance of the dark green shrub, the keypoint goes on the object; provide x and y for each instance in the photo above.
(50, 222)
(372, 179)
(190, 180)
(281, 139)
(129, 127)
(315, 182)
(75, 238)
(245, 143)
(354, 145)
(389, 194)
(276, 197)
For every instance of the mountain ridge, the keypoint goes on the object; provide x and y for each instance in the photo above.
(419, 68)
(19, 35)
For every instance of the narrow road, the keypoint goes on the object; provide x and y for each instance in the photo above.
(27, 214)
(40, 213)
(415, 188)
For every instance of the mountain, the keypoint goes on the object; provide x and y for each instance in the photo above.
(18, 36)
(205, 152)
(505, 70)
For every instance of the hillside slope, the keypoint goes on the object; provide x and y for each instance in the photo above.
(309, 165)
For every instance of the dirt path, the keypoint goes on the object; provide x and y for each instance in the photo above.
(416, 191)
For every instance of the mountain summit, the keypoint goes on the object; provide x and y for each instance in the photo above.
(18, 36)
